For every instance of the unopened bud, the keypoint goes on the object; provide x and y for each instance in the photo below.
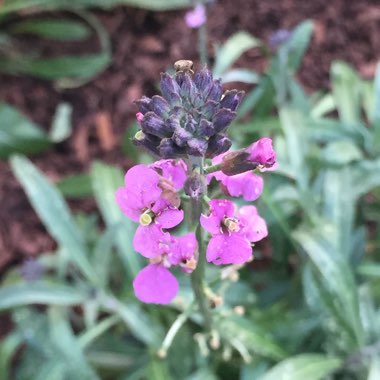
(195, 185)
(218, 144)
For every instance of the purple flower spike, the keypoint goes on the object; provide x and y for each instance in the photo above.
(231, 236)
(262, 152)
(247, 185)
(140, 192)
(155, 284)
(196, 17)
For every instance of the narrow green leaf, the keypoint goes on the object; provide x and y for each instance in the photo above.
(75, 186)
(64, 30)
(68, 347)
(231, 50)
(297, 44)
(240, 75)
(105, 181)
(346, 91)
(40, 293)
(302, 367)
(251, 337)
(75, 67)
(54, 213)
(374, 371)
(8, 348)
(154, 5)
(335, 277)
(376, 107)
(18, 134)
(324, 106)
(61, 127)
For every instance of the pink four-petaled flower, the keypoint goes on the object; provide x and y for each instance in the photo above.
(155, 283)
(232, 233)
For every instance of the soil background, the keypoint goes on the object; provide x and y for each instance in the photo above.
(143, 45)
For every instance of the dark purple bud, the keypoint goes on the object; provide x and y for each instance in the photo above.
(237, 162)
(204, 81)
(159, 106)
(172, 123)
(196, 147)
(209, 109)
(143, 104)
(181, 136)
(195, 186)
(231, 99)
(222, 119)
(168, 149)
(147, 141)
(190, 124)
(154, 125)
(188, 89)
(170, 89)
(218, 144)
(216, 91)
(206, 128)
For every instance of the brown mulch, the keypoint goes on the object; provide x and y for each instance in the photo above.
(145, 44)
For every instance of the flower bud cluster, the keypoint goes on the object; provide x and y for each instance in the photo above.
(190, 118)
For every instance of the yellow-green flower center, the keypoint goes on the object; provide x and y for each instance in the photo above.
(232, 224)
(146, 218)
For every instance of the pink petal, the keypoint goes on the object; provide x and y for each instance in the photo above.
(155, 284)
(253, 226)
(182, 248)
(228, 249)
(150, 241)
(248, 185)
(124, 203)
(173, 171)
(141, 185)
(219, 209)
(262, 152)
(170, 217)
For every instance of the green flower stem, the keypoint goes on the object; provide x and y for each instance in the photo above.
(212, 169)
(175, 327)
(202, 44)
(198, 276)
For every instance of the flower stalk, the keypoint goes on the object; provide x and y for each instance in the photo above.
(198, 276)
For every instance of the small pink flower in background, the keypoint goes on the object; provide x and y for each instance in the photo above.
(247, 185)
(155, 283)
(196, 17)
(231, 236)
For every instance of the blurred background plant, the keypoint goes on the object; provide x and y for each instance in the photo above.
(306, 308)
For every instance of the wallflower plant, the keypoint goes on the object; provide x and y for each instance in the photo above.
(186, 129)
